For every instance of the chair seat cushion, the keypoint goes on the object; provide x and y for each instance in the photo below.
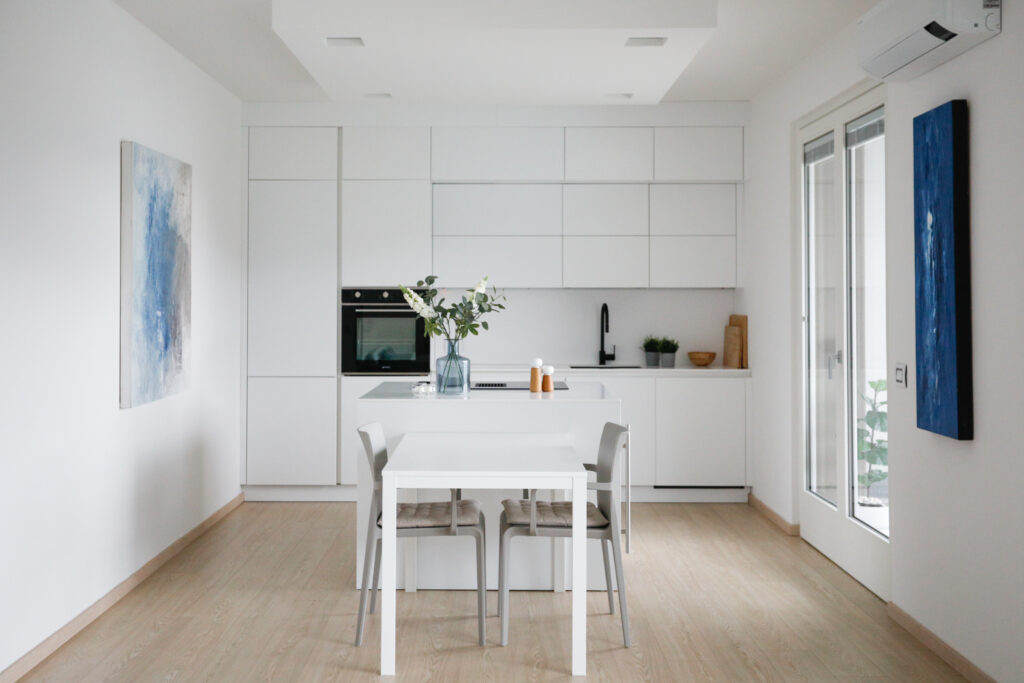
(559, 513)
(428, 515)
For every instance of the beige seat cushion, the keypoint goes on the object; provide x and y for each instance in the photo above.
(517, 512)
(427, 515)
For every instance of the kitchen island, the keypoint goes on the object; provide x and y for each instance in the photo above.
(579, 413)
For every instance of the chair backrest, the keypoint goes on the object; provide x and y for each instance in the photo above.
(376, 447)
(608, 453)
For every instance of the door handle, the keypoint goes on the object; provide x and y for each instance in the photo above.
(833, 360)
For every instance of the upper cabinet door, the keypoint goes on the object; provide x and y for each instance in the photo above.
(293, 153)
(293, 278)
(497, 154)
(605, 209)
(698, 153)
(385, 232)
(385, 153)
(693, 261)
(605, 261)
(489, 209)
(697, 209)
(619, 154)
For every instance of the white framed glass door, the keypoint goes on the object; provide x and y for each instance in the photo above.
(844, 497)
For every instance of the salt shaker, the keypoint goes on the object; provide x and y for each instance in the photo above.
(549, 378)
(535, 375)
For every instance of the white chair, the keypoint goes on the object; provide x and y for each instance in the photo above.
(540, 518)
(457, 518)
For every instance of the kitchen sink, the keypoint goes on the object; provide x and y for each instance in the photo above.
(604, 367)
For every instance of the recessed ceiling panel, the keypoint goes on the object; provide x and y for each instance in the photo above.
(484, 51)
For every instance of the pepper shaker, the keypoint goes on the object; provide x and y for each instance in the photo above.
(548, 384)
(535, 375)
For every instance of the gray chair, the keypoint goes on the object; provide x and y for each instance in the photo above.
(534, 517)
(457, 518)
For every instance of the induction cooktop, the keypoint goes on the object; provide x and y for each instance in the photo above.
(514, 386)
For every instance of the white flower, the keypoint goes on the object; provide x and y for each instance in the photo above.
(417, 304)
(481, 286)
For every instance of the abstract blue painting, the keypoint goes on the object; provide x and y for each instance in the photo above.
(156, 274)
(943, 279)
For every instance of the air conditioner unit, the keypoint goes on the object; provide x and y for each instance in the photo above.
(901, 39)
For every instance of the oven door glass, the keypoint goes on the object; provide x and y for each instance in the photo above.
(385, 341)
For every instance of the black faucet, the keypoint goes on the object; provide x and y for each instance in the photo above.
(602, 356)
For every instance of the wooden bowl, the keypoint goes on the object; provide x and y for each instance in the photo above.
(701, 358)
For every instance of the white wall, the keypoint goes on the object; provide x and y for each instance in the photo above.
(88, 492)
(957, 556)
(562, 325)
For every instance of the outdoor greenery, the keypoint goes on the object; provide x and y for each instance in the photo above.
(667, 345)
(458, 319)
(871, 447)
(652, 344)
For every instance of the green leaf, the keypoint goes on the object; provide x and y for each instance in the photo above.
(878, 385)
(484, 323)
(877, 420)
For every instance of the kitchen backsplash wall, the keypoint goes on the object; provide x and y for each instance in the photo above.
(562, 325)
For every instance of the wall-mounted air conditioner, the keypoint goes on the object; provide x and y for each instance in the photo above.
(901, 39)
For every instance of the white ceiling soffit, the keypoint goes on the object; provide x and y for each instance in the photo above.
(495, 51)
(233, 42)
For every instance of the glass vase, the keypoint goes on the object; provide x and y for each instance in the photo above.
(452, 371)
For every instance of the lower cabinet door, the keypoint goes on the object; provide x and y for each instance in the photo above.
(637, 394)
(292, 431)
(701, 432)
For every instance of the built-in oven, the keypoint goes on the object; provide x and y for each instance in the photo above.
(381, 334)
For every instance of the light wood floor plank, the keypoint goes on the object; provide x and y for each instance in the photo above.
(717, 593)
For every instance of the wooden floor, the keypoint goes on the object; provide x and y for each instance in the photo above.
(716, 593)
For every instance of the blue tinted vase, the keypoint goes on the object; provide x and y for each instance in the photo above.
(452, 371)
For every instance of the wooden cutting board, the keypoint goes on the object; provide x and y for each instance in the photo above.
(740, 321)
(733, 357)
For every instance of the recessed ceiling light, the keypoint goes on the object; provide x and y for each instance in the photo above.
(344, 41)
(619, 95)
(646, 41)
(378, 96)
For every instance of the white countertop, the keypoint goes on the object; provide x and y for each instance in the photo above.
(577, 392)
(612, 371)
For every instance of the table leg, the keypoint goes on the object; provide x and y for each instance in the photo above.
(389, 573)
(558, 552)
(579, 576)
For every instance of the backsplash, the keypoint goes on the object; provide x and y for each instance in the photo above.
(562, 325)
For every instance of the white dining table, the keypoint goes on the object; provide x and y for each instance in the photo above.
(469, 460)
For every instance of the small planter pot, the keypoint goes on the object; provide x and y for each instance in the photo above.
(668, 360)
(651, 358)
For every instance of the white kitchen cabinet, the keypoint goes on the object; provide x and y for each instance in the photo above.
(498, 153)
(385, 232)
(350, 451)
(293, 278)
(625, 154)
(508, 261)
(494, 209)
(638, 411)
(605, 209)
(378, 153)
(293, 153)
(292, 431)
(693, 261)
(699, 153)
(701, 432)
(693, 209)
(599, 261)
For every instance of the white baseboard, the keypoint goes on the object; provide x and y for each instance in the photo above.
(649, 494)
(301, 494)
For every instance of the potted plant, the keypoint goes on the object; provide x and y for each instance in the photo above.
(651, 347)
(668, 348)
(454, 321)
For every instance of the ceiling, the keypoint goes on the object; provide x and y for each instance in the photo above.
(495, 51)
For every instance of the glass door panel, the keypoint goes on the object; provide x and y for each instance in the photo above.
(825, 305)
(868, 461)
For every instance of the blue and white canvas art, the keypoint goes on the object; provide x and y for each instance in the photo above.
(156, 274)
(942, 264)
